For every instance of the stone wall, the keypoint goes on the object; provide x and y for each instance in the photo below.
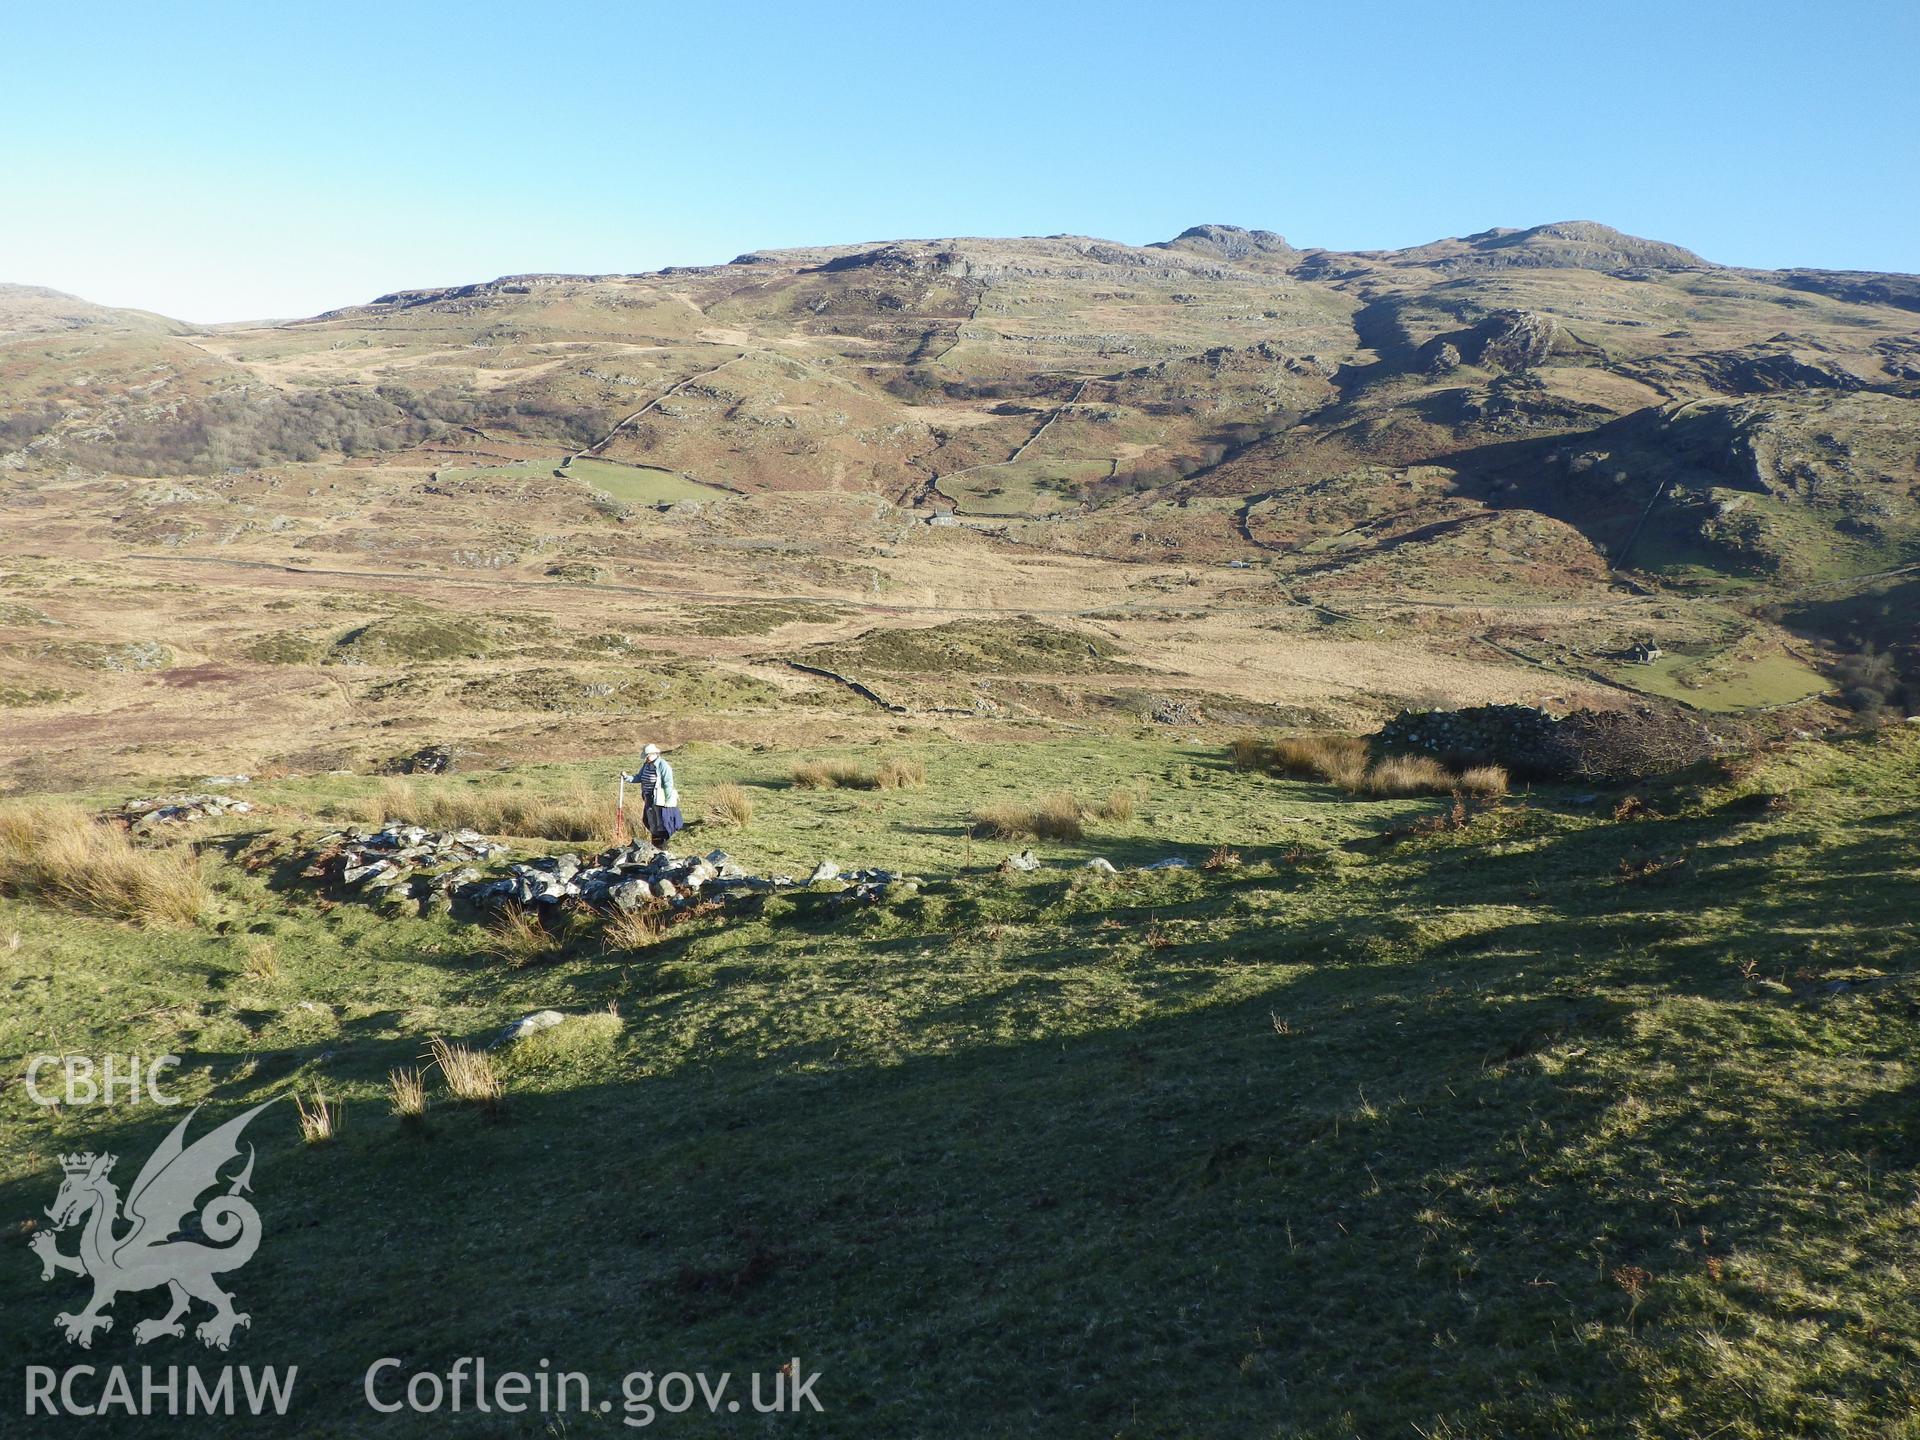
(1608, 746)
(1516, 736)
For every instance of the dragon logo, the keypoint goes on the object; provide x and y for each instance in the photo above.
(161, 1246)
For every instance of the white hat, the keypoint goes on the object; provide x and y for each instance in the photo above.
(651, 750)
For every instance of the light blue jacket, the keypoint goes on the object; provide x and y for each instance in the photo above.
(668, 794)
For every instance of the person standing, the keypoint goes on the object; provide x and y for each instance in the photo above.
(660, 796)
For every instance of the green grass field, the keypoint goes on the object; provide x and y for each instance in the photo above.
(630, 484)
(1550, 1123)
(1028, 487)
(1726, 683)
(640, 484)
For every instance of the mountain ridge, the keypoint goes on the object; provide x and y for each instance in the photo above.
(1367, 412)
(1576, 243)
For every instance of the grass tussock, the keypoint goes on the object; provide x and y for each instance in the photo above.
(407, 1093)
(1053, 817)
(469, 1073)
(1346, 762)
(1337, 759)
(1250, 752)
(900, 774)
(580, 812)
(57, 853)
(831, 775)
(1057, 817)
(1407, 775)
(1485, 780)
(1001, 822)
(1118, 806)
(893, 773)
(320, 1118)
(520, 937)
(810, 775)
(262, 964)
(635, 929)
(731, 805)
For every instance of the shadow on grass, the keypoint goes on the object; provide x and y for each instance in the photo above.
(1012, 1203)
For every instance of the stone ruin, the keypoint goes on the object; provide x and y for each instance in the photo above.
(442, 869)
(1517, 736)
(1611, 746)
(143, 817)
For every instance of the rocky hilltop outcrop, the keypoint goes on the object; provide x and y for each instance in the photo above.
(1231, 243)
(1563, 245)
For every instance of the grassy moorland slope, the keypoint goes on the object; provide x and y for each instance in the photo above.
(1558, 1121)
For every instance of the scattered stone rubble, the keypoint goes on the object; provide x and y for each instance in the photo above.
(427, 760)
(1177, 712)
(439, 870)
(1024, 861)
(145, 816)
(442, 869)
(404, 862)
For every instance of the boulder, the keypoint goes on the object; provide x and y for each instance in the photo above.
(826, 870)
(528, 1025)
(631, 894)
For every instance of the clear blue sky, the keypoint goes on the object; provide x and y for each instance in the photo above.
(221, 161)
